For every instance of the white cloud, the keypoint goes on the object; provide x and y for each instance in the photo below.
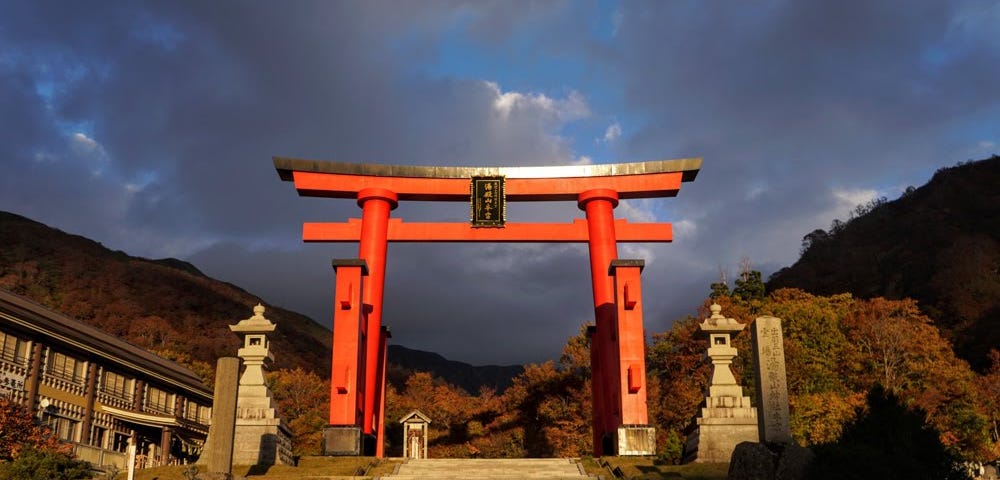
(637, 251)
(685, 229)
(613, 132)
(756, 190)
(86, 143)
(90, 151)
(843, 202)
(140, 181)
(573, 107)
(44, 157)
(848, 199)
(640, 210)
(616, 21)
(637, 211)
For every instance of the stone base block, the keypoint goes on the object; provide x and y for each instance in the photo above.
(636, 440)
(339, 440)
(770, 461)
(715, 442)
(262, 442)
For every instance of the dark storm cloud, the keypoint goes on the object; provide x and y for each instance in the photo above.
(798, 108)
(150, 127)
(188, 102)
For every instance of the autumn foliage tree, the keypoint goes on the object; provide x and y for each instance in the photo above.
(546, 412)
(30, 451)
(837, 348)
(303, 400)
(19, 430)
(990, 393)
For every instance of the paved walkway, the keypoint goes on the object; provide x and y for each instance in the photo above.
(489, 469)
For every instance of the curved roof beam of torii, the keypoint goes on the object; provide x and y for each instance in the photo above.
(658, 178)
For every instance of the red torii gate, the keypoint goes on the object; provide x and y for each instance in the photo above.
(357, 397)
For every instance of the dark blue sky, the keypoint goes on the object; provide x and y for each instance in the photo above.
(150, 126)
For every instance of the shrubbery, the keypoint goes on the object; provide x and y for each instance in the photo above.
(35, 464)
(29, 451)
(886, 441)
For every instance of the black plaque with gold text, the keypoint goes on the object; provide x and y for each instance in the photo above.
(488, 202)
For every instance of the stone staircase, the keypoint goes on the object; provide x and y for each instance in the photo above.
(489, 469)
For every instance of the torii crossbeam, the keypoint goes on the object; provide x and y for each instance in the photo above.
(620, 423)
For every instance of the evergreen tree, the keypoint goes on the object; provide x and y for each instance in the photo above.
(749, 287)
(719, 289)
(887, 441)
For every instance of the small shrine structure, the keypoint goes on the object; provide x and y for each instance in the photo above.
(727, 418)
(261, 437)
(415, 434)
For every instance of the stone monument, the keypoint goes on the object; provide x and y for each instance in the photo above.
(261, 438)
(218, 452)
(727, 418)
(772, 388)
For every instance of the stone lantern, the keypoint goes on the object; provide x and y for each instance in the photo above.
(261, 437)
(255, 352)
(727, 417)
(720, 330)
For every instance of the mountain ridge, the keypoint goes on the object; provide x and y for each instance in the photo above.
(938, 244)
(404, 361)
(157, 303)
(167, 306)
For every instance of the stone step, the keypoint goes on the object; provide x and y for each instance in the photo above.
(486, 469)
(464, 476)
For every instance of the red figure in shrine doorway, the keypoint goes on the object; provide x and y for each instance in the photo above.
(617, 354)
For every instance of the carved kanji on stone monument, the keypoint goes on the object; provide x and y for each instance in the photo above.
(772, 389)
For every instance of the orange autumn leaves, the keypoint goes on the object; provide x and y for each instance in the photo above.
(837, 349)
(18, 431)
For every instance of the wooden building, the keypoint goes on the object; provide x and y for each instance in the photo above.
(99, 392)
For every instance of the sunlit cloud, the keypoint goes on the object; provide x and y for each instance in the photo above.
(612, 133)
(572, 107)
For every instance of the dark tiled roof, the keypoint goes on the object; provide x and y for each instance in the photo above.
(67, 333)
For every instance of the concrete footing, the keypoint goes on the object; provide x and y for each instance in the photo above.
(636, 440)
(341, 440)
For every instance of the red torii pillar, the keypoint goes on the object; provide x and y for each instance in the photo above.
(620, 423)
(347, 379)
(375, 205)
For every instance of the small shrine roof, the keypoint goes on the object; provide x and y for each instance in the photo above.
(416, 413)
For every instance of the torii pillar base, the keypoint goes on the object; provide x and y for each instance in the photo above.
(342, 440)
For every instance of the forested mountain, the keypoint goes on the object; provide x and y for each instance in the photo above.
(166, 306)
(157, 304)
(403, 362)
(938, 244)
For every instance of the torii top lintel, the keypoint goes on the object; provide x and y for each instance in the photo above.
(661, 178)
(651, 179)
